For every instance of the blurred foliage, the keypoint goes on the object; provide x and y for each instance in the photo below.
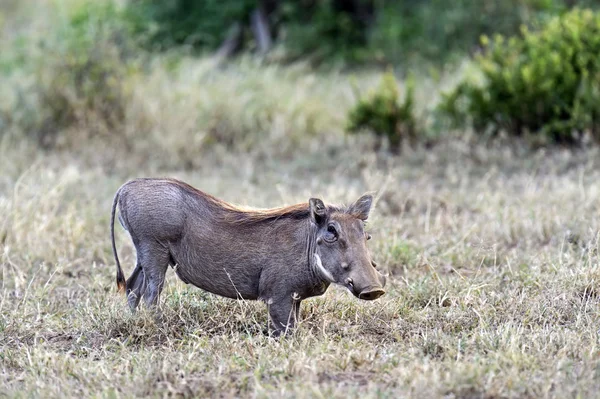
(77, 74)
(307, 26)
(324, 29)
(546, 82)
(544, 79)
(199, 24)
(438, 29)
(382, 113)
(353, 30)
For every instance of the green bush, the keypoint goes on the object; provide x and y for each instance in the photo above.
(439, 29)
(546, 82)
(382, 113)
(78, 74)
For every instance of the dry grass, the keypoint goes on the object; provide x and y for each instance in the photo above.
(492, 252)
(494, 258)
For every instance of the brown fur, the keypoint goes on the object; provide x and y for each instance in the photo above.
(246, 215)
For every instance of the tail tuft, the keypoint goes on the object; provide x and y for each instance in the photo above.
(120, 284)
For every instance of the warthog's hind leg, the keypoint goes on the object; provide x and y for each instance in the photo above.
(154, 259)
(136, 286)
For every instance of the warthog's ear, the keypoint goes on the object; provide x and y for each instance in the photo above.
(361, 207)
(318, 212)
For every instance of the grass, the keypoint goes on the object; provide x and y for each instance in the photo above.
(491, 250)
(493, 291)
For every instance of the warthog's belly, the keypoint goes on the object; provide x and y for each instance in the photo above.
(228, 283)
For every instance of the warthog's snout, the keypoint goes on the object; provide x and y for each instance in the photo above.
(371, 293)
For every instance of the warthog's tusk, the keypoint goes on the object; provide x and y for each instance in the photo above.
(322, 271)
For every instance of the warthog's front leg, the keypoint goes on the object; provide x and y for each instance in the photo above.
(284, 314)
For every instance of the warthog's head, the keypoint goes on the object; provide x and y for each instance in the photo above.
(341, 254)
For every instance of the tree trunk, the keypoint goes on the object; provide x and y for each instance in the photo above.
(260, 28)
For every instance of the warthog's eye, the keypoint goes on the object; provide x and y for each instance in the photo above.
(368, 236)
(331, 234)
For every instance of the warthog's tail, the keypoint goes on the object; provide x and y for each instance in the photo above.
(120, 276)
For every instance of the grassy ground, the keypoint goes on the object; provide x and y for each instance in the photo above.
(492, 251)
(493, 256)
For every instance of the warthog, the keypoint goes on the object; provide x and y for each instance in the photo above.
(280, 256)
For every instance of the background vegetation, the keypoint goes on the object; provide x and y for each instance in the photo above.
(546, 82)
(491, 243)
(355, 30)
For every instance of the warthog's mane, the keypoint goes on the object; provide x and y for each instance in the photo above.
(242, 215)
